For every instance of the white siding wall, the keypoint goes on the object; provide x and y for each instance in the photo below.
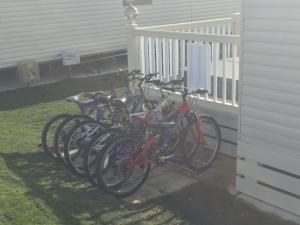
(269, 142)
(41, 29)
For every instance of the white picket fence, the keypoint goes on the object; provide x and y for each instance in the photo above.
(163, 49)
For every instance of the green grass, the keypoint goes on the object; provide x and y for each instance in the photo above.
(34, 189)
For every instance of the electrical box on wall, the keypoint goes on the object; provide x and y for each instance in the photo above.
(28, 72)
(71, 57)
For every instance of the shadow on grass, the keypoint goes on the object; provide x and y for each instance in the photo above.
(71, 199)
(55, 91)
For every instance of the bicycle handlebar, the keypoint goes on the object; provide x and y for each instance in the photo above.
(199, 91)
(176, 82)
(151, 75)
(184, 91)
(156, 82)
(135, 72)
(160, 83)
(171, 89)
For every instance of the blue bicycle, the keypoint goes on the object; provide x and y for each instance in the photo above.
(88, 103)
(83, 132)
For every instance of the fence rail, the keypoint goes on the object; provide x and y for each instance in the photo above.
(164, 49)
(193, 25)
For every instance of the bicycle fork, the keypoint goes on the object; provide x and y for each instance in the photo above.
(198, 131)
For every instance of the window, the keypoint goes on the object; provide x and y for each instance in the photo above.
(137, 2)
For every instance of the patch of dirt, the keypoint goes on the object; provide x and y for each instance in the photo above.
(203, 204)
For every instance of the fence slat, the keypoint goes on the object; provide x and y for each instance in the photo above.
(142, 54)
(208, 30)
(258, 173)
(167, 62)
(215, 71)
(224, 85)
(234, 59)
(158, 56)
(279, 199)
(171, 62)
(176, 59)
(154, 66)
(151, 55)
(182, 58)
(164, 58)
(146, 47)
(195, 30)
(229, 48)
(216, 57)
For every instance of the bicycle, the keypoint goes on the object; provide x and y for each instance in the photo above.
(79, 136)
(98, 102)
(86, 107)
(129, 153)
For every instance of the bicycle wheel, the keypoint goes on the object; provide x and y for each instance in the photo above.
(173, 141)
(98, 144)
(202, 141)
(79, 137)
(151, 104)
(48, 133)
(117, 170)
(62, 132)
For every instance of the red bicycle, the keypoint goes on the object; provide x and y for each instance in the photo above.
(125, 165)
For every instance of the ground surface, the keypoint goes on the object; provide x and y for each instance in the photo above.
(36, 190)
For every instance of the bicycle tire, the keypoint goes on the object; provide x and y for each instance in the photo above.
(189, 157)
(90, 151)
(45, 133)
(77, 167)
(58, 139)
(112, 188)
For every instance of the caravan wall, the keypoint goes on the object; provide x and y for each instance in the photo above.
(43, 29)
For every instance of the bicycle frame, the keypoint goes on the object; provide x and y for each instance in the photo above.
(139, 155)
(100, 109)
(185, 111)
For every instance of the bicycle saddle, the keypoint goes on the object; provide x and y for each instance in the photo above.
(162, 125)
(200, 91)
(104, 98)
(75, 98)
(94, 94)
(121, 101)
(90, 95)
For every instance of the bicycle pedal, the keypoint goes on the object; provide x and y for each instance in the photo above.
(163, 158)
(177, 160)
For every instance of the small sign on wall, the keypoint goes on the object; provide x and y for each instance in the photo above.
(71, 57)
(137, 2)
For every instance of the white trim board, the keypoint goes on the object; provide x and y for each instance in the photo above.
(265, 207)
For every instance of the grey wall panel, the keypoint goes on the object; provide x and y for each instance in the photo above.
(41, 29)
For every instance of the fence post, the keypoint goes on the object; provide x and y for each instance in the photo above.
(236, 55)
(236, 28)
(132, 41)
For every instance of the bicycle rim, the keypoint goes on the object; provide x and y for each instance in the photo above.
(115, 173)
(202, 142)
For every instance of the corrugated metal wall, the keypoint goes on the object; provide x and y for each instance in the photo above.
(41, 29)
(269, 145)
